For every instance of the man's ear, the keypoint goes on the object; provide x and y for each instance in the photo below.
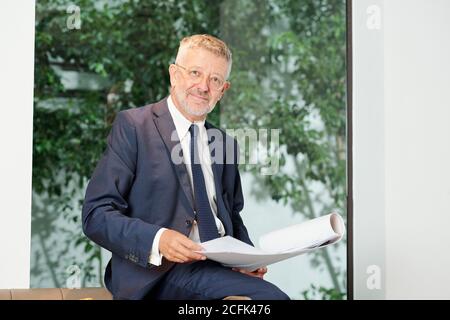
(172, 74)
(226, 86)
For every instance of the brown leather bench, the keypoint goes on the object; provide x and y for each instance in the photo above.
(55, 294)
(68, 294)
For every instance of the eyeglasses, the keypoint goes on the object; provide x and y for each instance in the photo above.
(196, 75)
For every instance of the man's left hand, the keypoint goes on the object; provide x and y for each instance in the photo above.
(259, 273)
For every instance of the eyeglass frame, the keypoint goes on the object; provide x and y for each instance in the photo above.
(200, 77)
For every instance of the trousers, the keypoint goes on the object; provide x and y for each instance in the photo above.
(209, 280)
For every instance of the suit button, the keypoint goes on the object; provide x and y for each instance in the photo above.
(188, 223)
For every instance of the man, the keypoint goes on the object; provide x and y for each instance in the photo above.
(152, 211)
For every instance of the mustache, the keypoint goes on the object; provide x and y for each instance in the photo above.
(198, 93)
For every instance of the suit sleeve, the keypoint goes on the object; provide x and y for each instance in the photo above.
(240, 231)
(104, 215)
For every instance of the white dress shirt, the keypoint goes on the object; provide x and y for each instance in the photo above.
(182, 126)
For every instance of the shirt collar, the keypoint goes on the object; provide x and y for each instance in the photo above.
(182, 124)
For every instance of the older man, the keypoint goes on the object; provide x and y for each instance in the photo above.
(152, 210)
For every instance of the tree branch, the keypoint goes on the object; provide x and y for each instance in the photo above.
(324, 253)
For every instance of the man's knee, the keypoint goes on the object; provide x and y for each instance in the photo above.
(277, 294)
(269, 291)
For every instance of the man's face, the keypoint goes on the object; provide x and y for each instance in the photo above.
(192, 80)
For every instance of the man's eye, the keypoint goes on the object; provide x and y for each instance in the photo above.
(216, 81)
(195, 73)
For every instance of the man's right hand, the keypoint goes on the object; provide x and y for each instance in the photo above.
(176, 247)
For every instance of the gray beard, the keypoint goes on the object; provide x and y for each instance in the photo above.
(192, 111)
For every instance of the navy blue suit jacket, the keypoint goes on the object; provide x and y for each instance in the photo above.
(136, 189)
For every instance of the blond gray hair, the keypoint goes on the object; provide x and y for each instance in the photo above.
(207, 42)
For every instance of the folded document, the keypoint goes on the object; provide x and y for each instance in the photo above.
(277, 245)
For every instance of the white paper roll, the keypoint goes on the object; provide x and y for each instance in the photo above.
(312, 233)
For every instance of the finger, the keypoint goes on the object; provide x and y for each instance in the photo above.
(250, 273)
(180, 258)
(258, 273)
(175, 253)
(189, 248)
(238, 270)
(173, 258)
(189, 254)
(254, 274)
(189, 244)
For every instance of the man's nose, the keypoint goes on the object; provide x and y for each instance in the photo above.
(203, 85)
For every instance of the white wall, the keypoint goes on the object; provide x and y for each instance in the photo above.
(412, 135)
(16, 122)
(417, 148)
(368, 150)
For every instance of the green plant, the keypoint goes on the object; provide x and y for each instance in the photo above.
(321, 293)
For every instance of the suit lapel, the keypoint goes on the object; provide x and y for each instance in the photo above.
(166, 128)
